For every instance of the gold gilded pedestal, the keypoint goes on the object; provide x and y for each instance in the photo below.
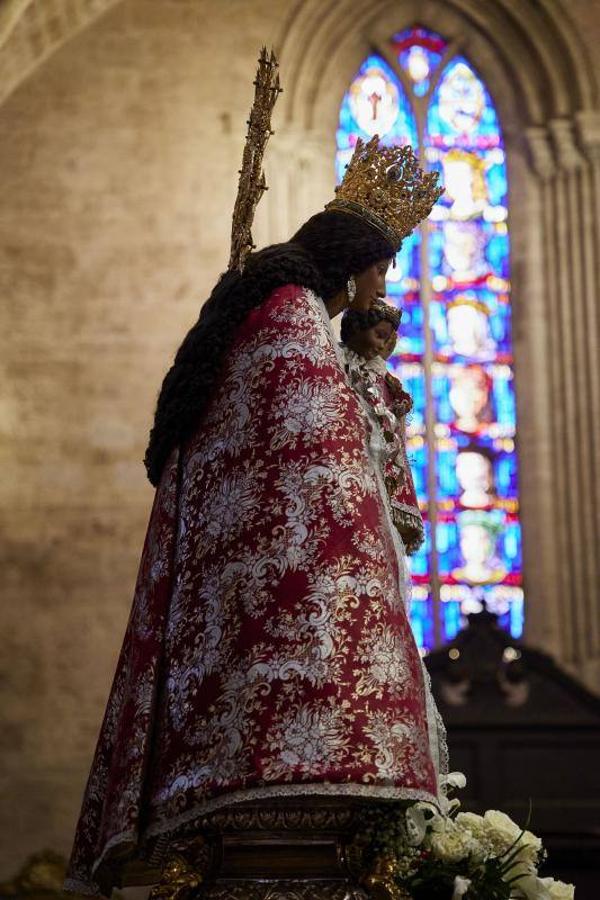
(268, 851)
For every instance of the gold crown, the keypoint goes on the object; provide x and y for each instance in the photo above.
(387, 188)
(388, 312)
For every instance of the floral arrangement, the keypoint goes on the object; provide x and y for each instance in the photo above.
(423, 853)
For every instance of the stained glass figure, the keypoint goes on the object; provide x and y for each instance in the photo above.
(452, 281)
(461, 112)
(419, 53)
(375, 103)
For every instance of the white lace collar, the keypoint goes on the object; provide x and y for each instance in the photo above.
(377, 364)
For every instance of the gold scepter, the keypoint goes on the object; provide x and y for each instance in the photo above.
(252, 183)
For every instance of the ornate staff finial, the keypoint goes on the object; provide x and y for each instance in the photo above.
(252, 183)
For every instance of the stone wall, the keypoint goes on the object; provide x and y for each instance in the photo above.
(118, 154)
(118, 161)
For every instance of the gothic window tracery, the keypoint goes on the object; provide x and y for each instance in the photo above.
(455, 351)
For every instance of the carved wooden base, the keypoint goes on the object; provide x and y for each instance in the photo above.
(280, 850)
(283, 890)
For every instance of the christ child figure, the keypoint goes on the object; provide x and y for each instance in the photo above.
(368, 340)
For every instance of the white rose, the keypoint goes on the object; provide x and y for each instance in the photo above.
(450, 843)
(472, 821)
(558, 890)
(481, 846)
(530, 848)
(454, 780)
(532, 888)
(501, 829)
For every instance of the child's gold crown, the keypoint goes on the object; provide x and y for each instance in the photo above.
(387, 188)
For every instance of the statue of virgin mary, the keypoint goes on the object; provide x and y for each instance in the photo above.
(269, 651)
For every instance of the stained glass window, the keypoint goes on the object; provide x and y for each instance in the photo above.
(454, 353)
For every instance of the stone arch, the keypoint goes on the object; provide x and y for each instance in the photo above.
(31, 30)
(531, 54)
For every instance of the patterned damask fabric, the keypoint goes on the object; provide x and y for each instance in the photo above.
(268, 651)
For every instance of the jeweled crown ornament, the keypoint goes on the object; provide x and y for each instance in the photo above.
(387, 188)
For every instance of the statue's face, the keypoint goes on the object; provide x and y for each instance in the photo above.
(372, 341)
(390, 344)
(370, 285)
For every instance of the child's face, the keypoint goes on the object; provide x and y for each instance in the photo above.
(390, 345)
(376, 341)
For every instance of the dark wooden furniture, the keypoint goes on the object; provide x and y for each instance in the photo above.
(523, 731)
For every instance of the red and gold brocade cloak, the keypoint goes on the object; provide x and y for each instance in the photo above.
(268, 651)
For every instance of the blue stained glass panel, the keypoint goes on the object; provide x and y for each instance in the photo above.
(476, 474)
(471, 325)
(474, 399)
(419, 63)
(419, 561)
(461, 112)
(417, 457)
(375, 104)
(411, 340)
(474, 181)
(413, 378)
(506, 601)
(506, 474)
(479, 547)
(465, 254)
(496, 178)
(403, 277)
(419, 52)
(478, 537)
(515, 616)
(421, 620)
(452, 619)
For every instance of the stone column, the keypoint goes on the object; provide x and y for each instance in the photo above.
(536, 371)
(301, 179)
(588, 130)
(570, 211)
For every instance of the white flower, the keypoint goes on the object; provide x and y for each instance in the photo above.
(501, 829)
(531, 888)
(454, 780)
(482, 847)
(473, 822)
(449, 842)
(558, 890)
(502, 835)
(530, 848)
(461, 886)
